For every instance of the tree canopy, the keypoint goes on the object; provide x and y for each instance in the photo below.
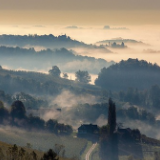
(55, 71)
(18, 110)
(83, 76)
(130, 73)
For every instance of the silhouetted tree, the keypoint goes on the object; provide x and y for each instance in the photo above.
(55, 71)
(111, 117)
(50, 155)
(113, 137)
(21, 153)
(83, 76)
(34, 155)
(65, 75)
(35, 122)
(18, 110)
(3, 112)
(51, 125)
(104, 145)
(122, 44)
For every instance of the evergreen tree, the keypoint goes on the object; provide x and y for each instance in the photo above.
(112, 137)
(108, 135)
(111, 117)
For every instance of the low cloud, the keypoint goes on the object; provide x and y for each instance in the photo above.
(151, 51)
(68, 99)
(101, 121)
(91, 67)
(73, 27)
(39, 26)
(149, 130)
(116, 28)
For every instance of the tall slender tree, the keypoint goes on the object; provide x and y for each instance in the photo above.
(112, 137)
(111, 116)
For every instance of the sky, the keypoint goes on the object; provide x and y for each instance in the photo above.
(84, 12)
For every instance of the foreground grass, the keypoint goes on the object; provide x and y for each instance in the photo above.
(4, 148)
(43, 141)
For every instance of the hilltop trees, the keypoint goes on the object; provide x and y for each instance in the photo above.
(65, 75)
(17, 117)
(18, 110)
(83, 76)
(131, 73)
(55, 71)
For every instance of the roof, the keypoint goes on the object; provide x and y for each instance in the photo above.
(88, 127)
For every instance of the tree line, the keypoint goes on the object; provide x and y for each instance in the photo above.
(16, 116)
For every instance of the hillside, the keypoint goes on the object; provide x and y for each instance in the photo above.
(42, 142)
(7, 151)
(41, 84)
(67, 60)
(47, 41)
(40, 40)
(130, 73)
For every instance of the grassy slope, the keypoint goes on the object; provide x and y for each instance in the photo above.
(5, 146)
(41, 77)
(42, 141)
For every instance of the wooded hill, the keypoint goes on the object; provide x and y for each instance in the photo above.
(130, 73)
(48, 41)
(15, 57)
(40, 83)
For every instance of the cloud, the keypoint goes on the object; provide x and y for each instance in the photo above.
(15, 26)
(73, 27)
(86, 65)
(151, 51)
(39, 26)
(101, 121)
(68, 99)
(106, 27)
(117, 28)
(67, 102)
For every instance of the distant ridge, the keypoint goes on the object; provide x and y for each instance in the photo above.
(120, 40)
(16, 57)
(48, 41)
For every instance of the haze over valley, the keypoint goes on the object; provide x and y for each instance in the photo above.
(79, 80)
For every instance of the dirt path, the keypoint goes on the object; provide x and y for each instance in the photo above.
(90, 151)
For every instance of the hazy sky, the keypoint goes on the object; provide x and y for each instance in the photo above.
(80, 12)
(80, 4)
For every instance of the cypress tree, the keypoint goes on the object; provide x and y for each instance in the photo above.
(112, 137)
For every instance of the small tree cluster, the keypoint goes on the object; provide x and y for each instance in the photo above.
(17, 117)
(55, 71)
(83, 76)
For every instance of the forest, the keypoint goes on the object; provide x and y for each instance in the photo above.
(131, 73)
